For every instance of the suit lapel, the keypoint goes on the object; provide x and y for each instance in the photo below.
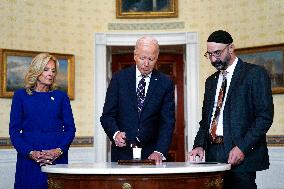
(132, 86)
(212, 93)
(152, 87)
(235, 78)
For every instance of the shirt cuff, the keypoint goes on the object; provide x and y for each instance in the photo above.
(163, 157)
(114, 135)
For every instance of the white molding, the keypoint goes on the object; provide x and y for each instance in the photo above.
(100, 86)
(81, 155)
(129, 39)
(272, 178)
(8, 158)
(75, 154)
(191, 92)
(191, 74)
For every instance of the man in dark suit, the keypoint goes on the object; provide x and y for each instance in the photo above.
(140, 107)
(236, 115)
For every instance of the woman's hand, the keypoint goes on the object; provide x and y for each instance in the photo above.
(52, 154)
(38, 156)
(45, 157)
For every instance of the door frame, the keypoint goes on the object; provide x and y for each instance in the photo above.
(102, 60)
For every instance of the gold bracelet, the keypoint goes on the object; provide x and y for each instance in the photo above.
(31, 154)
(60, 151)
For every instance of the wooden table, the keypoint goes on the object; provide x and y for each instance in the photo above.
(170, 175)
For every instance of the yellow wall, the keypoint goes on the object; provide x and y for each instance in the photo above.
(68, 26)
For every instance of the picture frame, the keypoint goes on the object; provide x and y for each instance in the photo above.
(146, 9)
(271, 57)
(14, 65)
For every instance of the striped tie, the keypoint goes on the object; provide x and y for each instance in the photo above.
(221, 96)
(141, 93)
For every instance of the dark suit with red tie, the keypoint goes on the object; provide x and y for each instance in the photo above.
(247, 116)
(155, 124)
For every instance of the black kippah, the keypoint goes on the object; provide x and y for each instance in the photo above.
(220, 36)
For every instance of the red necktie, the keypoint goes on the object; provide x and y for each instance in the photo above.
(221, 96)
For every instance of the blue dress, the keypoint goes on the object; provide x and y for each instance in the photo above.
(40, 121)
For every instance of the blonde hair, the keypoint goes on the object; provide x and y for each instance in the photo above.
(36, 68)
(147, 40)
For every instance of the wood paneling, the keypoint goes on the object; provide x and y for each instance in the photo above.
(212, 180)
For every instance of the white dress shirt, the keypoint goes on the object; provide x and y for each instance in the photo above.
(139, 77)
(230, 71)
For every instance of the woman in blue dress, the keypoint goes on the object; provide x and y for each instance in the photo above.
(41, 124)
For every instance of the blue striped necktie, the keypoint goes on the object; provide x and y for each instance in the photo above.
(141, 94)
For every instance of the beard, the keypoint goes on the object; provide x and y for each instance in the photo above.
(222, 64)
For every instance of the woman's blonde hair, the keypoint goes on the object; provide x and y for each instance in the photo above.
(35, 70)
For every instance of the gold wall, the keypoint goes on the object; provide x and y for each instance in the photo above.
(68, 26)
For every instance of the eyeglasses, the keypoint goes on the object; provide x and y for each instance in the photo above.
(216, 54)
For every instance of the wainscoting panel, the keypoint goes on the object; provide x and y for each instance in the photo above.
(8, 163)
(273, 177)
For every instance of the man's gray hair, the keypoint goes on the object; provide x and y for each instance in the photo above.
(147, 40)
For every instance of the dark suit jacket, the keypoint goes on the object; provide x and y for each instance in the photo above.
(154, 126)
(247, 116)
